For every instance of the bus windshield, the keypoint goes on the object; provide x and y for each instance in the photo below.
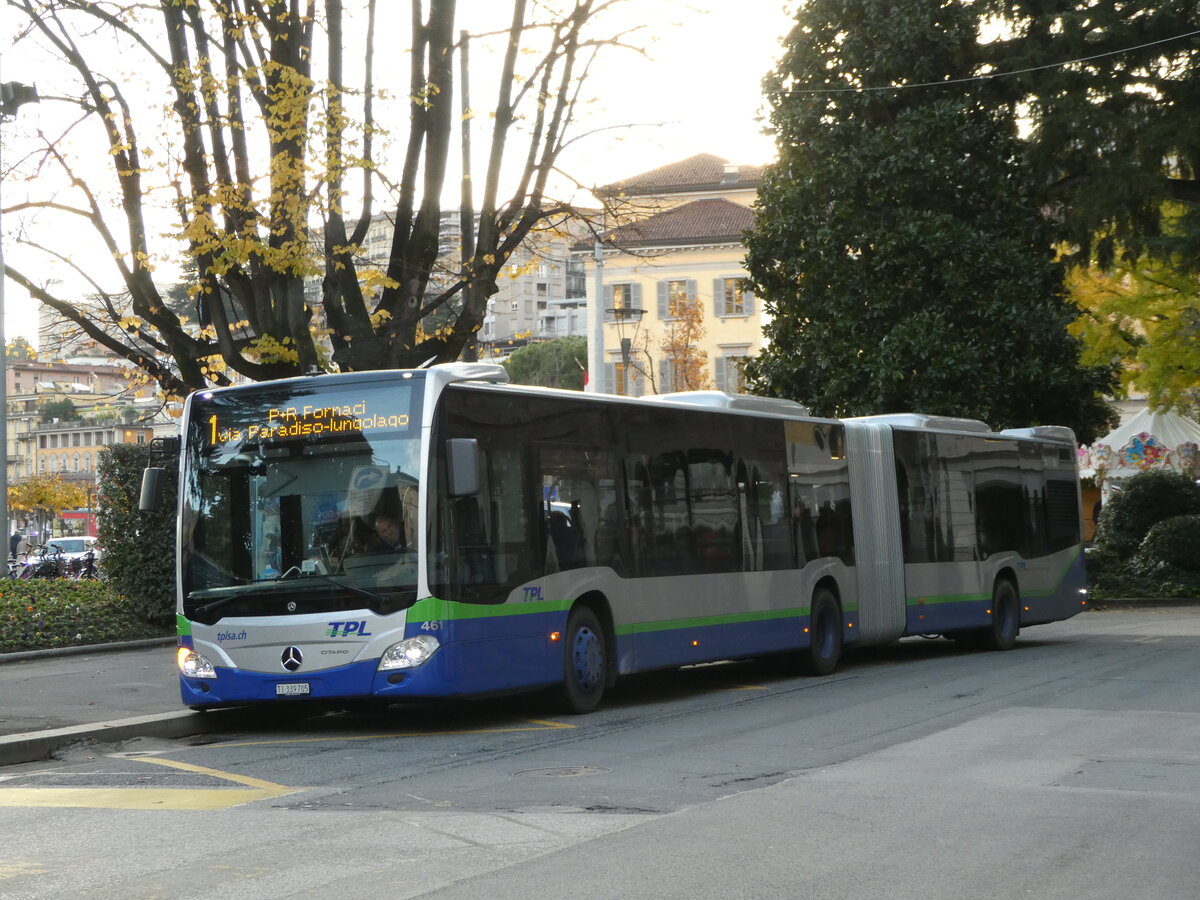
(298, 499)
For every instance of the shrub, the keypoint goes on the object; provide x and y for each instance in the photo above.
(139, 548)
(1174, 542)
(1145, 577)
(1143, 501)
(42, 614)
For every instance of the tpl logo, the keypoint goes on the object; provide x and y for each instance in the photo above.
(347, 629)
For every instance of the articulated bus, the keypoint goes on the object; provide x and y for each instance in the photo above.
(538, 538)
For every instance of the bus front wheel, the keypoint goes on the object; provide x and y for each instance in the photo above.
(1006, 617)
(824, 648)
(585, 662)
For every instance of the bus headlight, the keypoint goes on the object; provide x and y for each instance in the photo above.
(409, 653)
(193, 665)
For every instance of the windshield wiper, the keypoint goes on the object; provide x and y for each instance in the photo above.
(379, 599)
(201, 612)
(381, 603)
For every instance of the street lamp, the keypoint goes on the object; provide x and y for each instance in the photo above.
(623, 315)
(13, 95)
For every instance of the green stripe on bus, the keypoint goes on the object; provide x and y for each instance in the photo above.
(434, 609)
(701, 621)
(183, 626)
(967, 598)
(948, 598)
(1062, 576)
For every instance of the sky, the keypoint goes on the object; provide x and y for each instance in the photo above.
(697, 89)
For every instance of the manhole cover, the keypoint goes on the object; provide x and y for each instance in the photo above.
(564, 771)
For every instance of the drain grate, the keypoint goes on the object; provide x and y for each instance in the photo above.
(564, 771)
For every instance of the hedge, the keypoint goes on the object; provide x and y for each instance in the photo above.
(139, 547)
(42, 614)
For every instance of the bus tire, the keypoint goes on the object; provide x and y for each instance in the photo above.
(1006, 617)
(585, 663)
(824, 648)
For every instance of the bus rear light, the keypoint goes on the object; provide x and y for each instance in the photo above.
(409, 653)
(695, 643)
(193, 665)
(555, 636)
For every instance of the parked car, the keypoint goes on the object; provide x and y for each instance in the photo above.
(72, 548)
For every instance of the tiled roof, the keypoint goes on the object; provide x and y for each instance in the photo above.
(699, 222)
(699, 172)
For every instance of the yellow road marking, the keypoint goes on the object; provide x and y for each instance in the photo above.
(150, 798)
(743, 687)
(177, 799)
(253, 789)
(267, 786)
(538, 725)
(16, 870)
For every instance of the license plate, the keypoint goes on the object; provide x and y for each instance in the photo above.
(291, 690)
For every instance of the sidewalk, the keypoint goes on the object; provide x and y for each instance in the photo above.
(110, 692)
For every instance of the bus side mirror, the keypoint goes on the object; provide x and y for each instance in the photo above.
(152, 489)
(462, 467)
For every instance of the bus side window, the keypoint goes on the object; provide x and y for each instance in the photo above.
(579, 512)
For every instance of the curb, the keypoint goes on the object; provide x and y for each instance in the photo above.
(1143, 602)
(38, 745)
(22, 655)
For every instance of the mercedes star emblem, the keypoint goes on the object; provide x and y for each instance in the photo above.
(292, 658)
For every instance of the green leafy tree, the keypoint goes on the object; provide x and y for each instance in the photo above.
(62, 409)
(897, 246)
(1147, 315)
(139, 547)
(1113, 136)
(42, 497)
(558, 363)
(273, 117)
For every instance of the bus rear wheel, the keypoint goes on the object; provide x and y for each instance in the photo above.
(1006, 618)
(585, 662)
(824, 648)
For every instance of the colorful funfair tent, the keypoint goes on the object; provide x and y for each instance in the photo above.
(1149, 440)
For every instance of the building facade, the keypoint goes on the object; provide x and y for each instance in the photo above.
(667, 309)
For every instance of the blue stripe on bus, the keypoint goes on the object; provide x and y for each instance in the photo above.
(505, 653)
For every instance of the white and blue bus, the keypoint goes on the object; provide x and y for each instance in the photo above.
(551, 539)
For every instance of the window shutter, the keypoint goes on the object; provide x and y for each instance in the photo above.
(720, 362)
(610, 378)
(691, 290)
(718, 297)
(608, 303)
(748, 300)
(639, 383)
(664, 309)
(637, 296)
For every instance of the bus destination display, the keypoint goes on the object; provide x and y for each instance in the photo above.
(304, 421)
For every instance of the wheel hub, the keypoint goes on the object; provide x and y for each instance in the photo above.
(587, 655)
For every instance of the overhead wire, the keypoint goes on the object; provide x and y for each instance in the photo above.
(989, 75)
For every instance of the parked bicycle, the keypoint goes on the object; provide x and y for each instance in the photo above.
(84, 568)
(46, 563)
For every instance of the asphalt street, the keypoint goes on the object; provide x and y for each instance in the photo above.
(52, 699)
